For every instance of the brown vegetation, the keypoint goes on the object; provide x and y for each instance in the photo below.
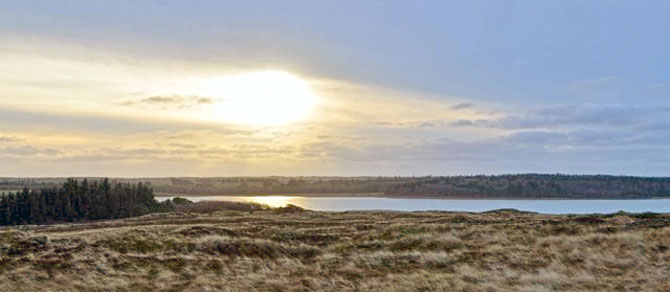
(296, 250)
(212, 206)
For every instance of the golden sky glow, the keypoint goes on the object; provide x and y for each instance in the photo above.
(212, 88)
(88, 112)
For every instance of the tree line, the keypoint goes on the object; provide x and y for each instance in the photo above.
(475, 186)
(537, 186)
(75, 201)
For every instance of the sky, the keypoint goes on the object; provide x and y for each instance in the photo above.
(255, 88)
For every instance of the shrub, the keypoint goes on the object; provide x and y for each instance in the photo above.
(181, 201)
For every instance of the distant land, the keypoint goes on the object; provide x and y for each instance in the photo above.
(526, 186)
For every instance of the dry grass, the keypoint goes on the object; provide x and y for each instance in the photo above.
(296, 250)
(213, 206)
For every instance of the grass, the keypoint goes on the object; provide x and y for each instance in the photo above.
(219, 247)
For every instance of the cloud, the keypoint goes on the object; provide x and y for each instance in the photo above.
(172, 101)
(466, 123)
(524, 151)
(536, 137)
(7, 139)
(27, 150)
(589, 114)
(330, 152)
(463, 105)
(602, 137)
(604, 83)
(14, 148)
(356, 129)
(352, 103)
(102, 123)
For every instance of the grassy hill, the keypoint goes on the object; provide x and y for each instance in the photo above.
(289, 249)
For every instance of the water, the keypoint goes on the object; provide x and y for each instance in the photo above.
(479, 205)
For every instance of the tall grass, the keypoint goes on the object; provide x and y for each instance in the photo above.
(229, 248)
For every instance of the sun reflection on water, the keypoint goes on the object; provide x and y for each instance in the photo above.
(274, 201)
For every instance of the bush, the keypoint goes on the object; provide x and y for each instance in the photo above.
(181, 201)
(290, 208)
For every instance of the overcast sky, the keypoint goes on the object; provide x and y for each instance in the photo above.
(124, 88)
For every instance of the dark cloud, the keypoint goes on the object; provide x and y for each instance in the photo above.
(462, 105)
(172, 101)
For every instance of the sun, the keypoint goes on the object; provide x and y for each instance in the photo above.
(264, 98)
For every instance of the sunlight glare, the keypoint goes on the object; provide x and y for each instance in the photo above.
(274, 201)
(265, 98)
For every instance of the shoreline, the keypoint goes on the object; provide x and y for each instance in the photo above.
(385, 196)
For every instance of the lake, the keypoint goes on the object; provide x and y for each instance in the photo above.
(473, 205)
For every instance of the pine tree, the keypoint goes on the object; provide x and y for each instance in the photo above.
(74, 202)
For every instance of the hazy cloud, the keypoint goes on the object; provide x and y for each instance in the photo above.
(570, 115)
(597, 84)
(659, 88)
(27, 150)
(6, 139)
(465, 123)
(536, 137)
(103, 123)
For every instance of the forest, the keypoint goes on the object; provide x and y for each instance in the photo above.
(76, 201)
(475, 186)
(530, 186)
(538, 186)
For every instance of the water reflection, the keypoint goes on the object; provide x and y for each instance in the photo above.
(369, 203)
(274, 201)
